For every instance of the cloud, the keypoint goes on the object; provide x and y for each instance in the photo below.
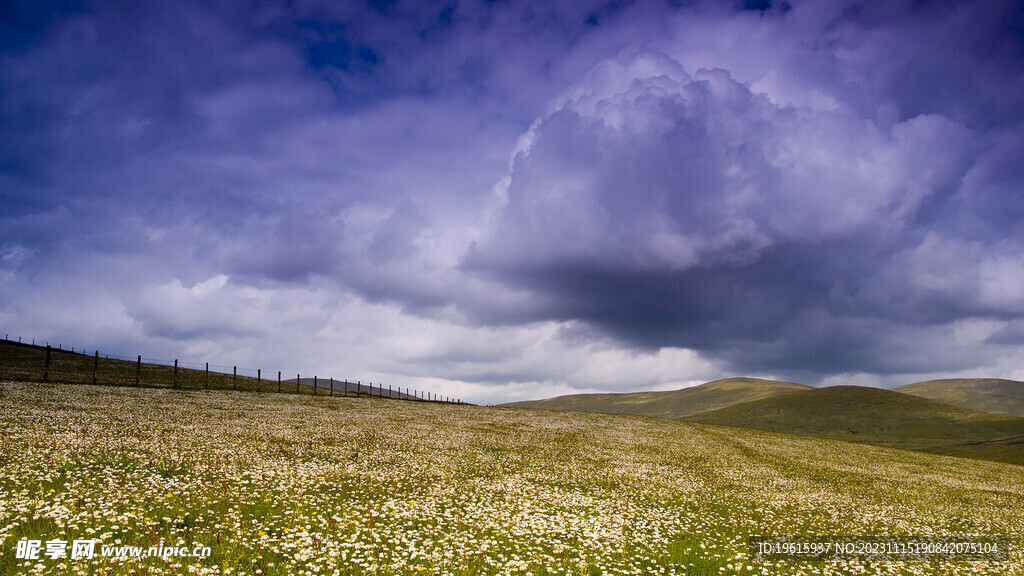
(540, 196)
(651, 167)
(209, 309)
(683, 209)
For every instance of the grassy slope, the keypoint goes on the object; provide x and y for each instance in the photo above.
(982, 394)
(670, 404)
(286, 484)
(881, 417)
(26, 362)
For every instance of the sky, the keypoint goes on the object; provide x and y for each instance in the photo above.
(510, 200)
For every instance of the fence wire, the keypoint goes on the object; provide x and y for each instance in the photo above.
(40, 361)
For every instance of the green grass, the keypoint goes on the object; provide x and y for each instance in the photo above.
(289, 484)
(26, 362)
(881, 417)
(982, 394)
(670, 404)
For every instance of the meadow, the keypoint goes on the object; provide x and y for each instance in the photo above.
(294, 484)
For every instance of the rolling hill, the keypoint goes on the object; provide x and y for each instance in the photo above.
(983, 394)
(674, 404)
(27, 362)
(880, 417)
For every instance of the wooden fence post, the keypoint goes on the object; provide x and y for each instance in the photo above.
(138, 369)
(95, 365)
(207, 375)
(390, 395)
(234, 379)
(314, 385)
(346, 387)
(175, 372)
(332, 385)
(46, 369)
(259, 378)
(278, 381)
(298, 379)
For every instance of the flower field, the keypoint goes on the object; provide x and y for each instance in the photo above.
(291, 484)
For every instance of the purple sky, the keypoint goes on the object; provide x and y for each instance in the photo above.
(519, 199)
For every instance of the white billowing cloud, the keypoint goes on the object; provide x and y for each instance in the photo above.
(216, 307)
(968, 275)
(499, 363)
(1001, 283)
(72, 314)
(643, 165)
(266, 212)
(315, 330)
(935, 265)
(853, 379)
(971, 331)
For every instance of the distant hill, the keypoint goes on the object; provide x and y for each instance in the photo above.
(984, 394)
(881, 417)
(675, 404)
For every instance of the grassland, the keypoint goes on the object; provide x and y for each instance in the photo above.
(26, 362)
(881, 417)
(670, 403)
(983, 394)
(292, 484)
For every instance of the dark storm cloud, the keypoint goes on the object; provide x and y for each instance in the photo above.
(674, 207)
(164, 112)
(806, 188)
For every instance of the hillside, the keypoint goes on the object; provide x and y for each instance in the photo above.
(982, 394)
(880, 417)
(670, 404)
(27, 362)
(281, 484)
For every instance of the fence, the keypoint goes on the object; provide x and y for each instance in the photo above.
(26, 361)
